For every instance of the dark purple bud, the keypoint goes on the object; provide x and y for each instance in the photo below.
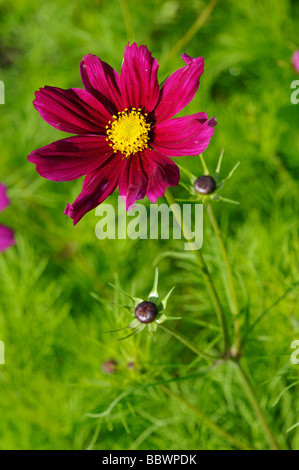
(146, 312)
(205, 184)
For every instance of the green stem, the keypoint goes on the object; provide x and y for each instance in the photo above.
(127, 20)
(256, 406)
(204, 269)
(190, 33)
(208, 422)
(231, 282)
(245, 381)
(189, 345)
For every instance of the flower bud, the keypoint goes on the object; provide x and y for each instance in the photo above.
(108, 367)
(146, 312)
(205, 184)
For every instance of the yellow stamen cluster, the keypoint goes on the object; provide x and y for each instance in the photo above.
(129, 132)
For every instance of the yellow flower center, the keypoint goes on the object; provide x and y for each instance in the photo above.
(128, 133)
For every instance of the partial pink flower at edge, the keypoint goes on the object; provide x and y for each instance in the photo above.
(125, 129)
(295, 61)
(6, 234)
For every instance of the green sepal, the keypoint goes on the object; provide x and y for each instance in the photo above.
(153, 295)
(134, 323)
(164, 318)
(165, 300)
(136, 300)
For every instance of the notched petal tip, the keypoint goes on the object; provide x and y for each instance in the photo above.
(197, 62)
(137, 48)
(212, 122)
(69, 210)
(188, 59)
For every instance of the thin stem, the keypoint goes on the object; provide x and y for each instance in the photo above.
(127, 20)
(256, 406)
(208, 422)
(231, 281)
(204, 269)
(189, 345)
(199, 22)
(245, 381)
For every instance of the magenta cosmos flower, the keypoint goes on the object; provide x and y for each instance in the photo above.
(6, 234)
(124, 129)
(295, 61)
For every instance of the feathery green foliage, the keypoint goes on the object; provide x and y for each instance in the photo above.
(56, 304)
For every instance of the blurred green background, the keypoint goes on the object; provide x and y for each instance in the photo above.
(160, 396)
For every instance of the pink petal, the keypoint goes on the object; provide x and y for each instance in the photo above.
(71, 158)
(102, 81)
(133, 180)
(6, 238)
(188, 135)
(97, 186)
(295, 61)
(4, 201)
(162, 172)
(74, 110)
(179, 89)
(138, 78)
